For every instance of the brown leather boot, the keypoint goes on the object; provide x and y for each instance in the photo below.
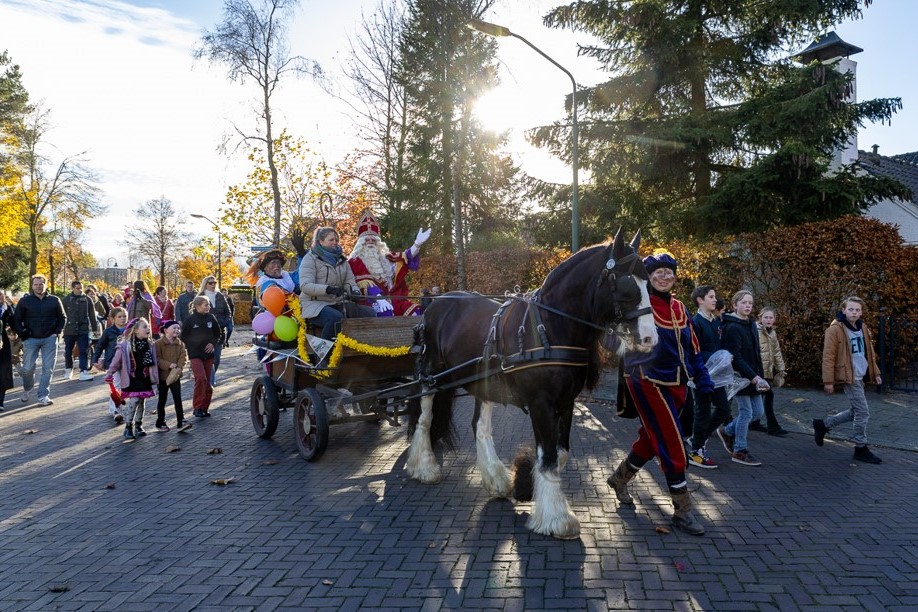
(619, 482)
(683, 517)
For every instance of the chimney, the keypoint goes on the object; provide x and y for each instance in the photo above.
(833, 51)
(875, 149)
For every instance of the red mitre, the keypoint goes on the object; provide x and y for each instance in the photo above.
(368, 225)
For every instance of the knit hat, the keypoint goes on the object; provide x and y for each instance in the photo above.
(167, 324)
(661, 258)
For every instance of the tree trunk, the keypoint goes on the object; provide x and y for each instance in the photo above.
(275, 187)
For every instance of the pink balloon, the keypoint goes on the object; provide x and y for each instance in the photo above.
(263, 323)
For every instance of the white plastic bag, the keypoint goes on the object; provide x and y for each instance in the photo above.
(736, 385)
(720, 369)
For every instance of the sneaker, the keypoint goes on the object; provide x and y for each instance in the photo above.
(45, 401)
(128, 434)
(26, 396)
(757, 426)
(698, 458)
(819, 431)
(862, 453)
(119, 419)
(780, 432)
(139, 431)
(743, 457)
(726, 439)
(85, 375)
(198, 413)
(205, 413)
(162, 427)
(183, 426)
(68, 375)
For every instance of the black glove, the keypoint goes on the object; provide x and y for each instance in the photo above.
(355, 294)
(332, 290)
(297, 240)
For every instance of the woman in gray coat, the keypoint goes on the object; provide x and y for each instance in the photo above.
(326, 280)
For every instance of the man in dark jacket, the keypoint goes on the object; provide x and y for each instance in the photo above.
(183, 302)
(39, 319)
(81, 319)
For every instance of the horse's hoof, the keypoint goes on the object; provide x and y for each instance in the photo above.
(563, 527)
(497, 481)
(426, 470)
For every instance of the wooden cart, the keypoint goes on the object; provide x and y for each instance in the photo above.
(361, 387)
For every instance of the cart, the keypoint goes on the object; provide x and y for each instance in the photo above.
(365, 381)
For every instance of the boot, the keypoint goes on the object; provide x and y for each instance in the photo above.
(862, 453)
(683, 517)
(619, 481)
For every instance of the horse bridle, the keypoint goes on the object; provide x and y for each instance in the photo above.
(631, 261)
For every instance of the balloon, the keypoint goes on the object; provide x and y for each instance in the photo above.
(286, 328)
(263, 323)
(274, 300)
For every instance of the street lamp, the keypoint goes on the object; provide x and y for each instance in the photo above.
(493, 29)
(219, 248)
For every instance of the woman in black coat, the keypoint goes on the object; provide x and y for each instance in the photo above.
(741, 338)
(6, 352)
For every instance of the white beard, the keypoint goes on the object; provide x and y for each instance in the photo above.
(374, 258)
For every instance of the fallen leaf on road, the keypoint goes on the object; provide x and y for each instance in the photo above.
(803, 528)
(662, 530)
(223, 481)
(110, 485)
(327, 582)
(214, 451)
(798, 400)
(172, 449)
(680, 566)
(59, 588)
(29, 431)
(270, 462)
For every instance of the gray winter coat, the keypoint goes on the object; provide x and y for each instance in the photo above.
(316, 276)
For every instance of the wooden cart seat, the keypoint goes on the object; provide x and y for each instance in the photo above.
(384, 332)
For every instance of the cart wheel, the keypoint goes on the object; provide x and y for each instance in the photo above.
(310, 424)
(264, 405)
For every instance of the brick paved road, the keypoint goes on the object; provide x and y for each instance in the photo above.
(810, 529)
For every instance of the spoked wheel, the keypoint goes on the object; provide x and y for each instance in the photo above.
(310, 424)
(265, 407)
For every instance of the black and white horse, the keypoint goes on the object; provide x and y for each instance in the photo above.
(535, 352)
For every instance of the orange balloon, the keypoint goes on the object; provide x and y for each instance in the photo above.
(274, 300)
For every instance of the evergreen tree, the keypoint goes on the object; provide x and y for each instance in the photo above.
(706, 125)
(459, 180)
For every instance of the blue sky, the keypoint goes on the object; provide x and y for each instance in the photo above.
(119, 79)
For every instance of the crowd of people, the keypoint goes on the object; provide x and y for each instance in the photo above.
(680, 405)
(140, 340)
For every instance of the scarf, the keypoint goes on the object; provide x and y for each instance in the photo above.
(330, 256)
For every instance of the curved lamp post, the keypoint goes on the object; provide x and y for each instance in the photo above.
(493, 29)
(219, 248)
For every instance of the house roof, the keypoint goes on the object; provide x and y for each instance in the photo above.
(903, 168)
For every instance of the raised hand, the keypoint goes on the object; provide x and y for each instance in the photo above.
(297, 239)
(422, 237)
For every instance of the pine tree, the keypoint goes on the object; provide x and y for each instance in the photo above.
(706, 125)
(459, 180)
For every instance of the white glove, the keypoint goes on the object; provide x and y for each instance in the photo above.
(381, 306)
(421, 238)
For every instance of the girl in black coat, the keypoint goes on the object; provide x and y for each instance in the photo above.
(6, 352)
(741, 338)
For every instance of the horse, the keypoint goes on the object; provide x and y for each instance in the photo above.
(552, 334)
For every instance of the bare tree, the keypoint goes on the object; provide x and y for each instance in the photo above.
(251, 42)
(378, 99)
(68, 189)
(159, 237)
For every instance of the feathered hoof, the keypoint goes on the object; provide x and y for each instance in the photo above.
(496, 480)
(426, 469)
(563, 527)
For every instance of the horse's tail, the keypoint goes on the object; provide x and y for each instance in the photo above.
(523, 464)
(442, 428)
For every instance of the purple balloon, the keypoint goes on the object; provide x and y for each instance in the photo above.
(263, 323)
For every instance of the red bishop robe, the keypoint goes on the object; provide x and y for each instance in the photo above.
(404, 262)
